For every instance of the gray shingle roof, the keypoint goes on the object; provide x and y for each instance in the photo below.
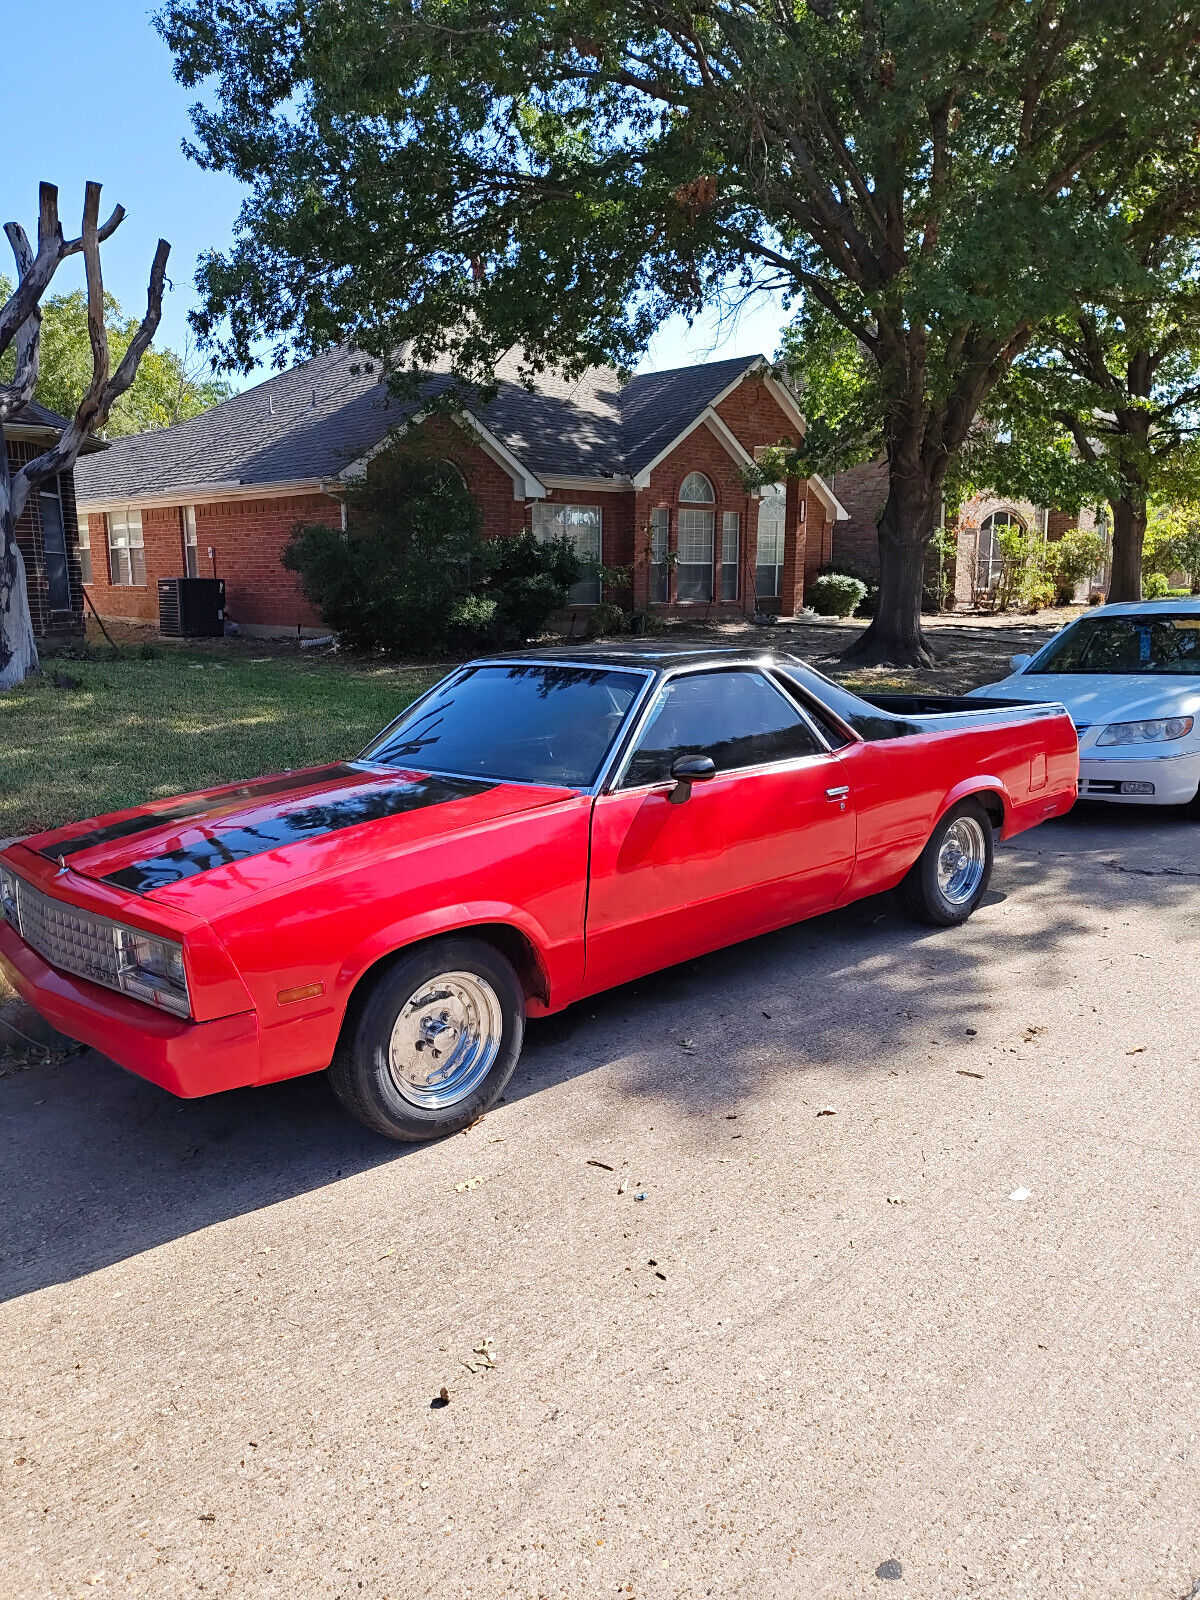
(34, 415)
(314, 420)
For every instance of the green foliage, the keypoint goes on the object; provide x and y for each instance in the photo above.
(835, 594)
(605, 619)
(1173, 542)
(528, 580)
(1155, 586)
(1071, 559)
(170, 385)
(399, 579)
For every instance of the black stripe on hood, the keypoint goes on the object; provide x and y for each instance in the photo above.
(195, 809)
(293, 827)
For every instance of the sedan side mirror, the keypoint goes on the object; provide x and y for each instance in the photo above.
(1017, 662)
(688, 770)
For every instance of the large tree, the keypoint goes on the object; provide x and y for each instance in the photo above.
(1104, 404)
(170, 385)
(20, 327)
(561, 177)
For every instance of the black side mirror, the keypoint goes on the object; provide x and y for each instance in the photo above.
(686, 771)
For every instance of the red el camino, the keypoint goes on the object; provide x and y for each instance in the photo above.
(531, 831)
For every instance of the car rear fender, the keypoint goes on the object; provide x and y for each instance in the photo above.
(990, 790)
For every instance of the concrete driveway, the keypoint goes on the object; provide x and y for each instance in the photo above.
(822, 1350)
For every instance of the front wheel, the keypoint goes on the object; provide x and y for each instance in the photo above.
(950, 876)
(434, 1042)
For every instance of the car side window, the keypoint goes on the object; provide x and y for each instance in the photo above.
(737, 717)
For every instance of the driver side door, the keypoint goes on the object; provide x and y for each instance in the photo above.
(768, 840)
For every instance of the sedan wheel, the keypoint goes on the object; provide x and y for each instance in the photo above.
(433, 1042)
(950, 876)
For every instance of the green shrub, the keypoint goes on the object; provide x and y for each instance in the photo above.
(1071, 559)
(836, 594)
(605, 619)
(1155, 586)
(529, 580)
(411, 575)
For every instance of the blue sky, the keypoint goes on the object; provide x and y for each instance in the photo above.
(104, 106)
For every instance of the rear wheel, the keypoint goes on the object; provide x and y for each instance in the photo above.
(434, 1042)
(951, 875)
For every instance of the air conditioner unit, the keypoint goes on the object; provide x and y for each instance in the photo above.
(191, 608)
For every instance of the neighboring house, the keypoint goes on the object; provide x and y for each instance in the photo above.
(978, 560)
(47, 529)
(645, 475)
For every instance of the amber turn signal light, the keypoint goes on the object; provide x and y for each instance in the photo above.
(306, 991)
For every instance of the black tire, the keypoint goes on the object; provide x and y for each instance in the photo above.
(921, 893)
(361, 1072)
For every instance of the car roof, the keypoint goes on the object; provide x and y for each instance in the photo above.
(653, 655)
(1132, 608)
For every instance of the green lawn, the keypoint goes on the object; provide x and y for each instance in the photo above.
(137, 730)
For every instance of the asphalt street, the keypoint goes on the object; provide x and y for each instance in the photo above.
(734, 1295)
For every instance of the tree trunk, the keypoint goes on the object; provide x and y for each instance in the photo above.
(1129, 533)
(895, 636)
(18, 649)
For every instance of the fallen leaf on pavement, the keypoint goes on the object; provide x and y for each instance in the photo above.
(468, 1183)
(592, 1162)
(623, 1186)
(1138, 1050)
(827, 1111)
(963, 1073)
(895, 1199)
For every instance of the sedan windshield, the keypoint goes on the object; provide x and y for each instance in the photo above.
(537, 722)
(1162, 644)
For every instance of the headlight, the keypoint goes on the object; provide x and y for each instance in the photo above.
(1146, 732)
(152, 969)
(8, 898)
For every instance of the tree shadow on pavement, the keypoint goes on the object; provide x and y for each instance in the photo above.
(97, 1165)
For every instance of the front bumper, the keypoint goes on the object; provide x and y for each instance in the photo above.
(187, 1058)
(1175, 778)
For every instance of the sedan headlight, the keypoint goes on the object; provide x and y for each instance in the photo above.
(1153, 732)
(151, 969)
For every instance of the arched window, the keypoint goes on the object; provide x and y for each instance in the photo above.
(696, 490)
(451, 472)
(990, 559)
(694, 573)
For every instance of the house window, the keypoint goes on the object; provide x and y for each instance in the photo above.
(581, 525)
(694, 580)
(772, 525)
(54, 547)
(126, 555)
(85, 548)
(191, 552)
(731, 527)
(696, 490)
(991, 560)
(660, 567)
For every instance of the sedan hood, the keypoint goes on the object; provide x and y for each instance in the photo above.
(1102, 697)
(246, 837)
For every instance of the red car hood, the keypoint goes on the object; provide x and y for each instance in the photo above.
(197, 851)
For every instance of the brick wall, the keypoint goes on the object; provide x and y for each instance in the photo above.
(863, 491)
(47, 622)
(246, 537)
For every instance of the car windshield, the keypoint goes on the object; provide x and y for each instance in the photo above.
(536, 722)
(1163, 643)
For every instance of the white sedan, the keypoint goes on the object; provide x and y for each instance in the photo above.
(1130, 677)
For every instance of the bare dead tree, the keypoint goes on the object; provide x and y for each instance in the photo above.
(20, 326)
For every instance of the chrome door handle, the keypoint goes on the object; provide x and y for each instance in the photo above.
(838, 793)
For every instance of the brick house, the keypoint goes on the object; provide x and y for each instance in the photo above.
(47, 529)
(644, 474)
(977, 561)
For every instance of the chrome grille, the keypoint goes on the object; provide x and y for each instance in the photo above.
(67, 937)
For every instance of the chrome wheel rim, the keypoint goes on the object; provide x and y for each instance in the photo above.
(961, 860)
(446, 1039)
